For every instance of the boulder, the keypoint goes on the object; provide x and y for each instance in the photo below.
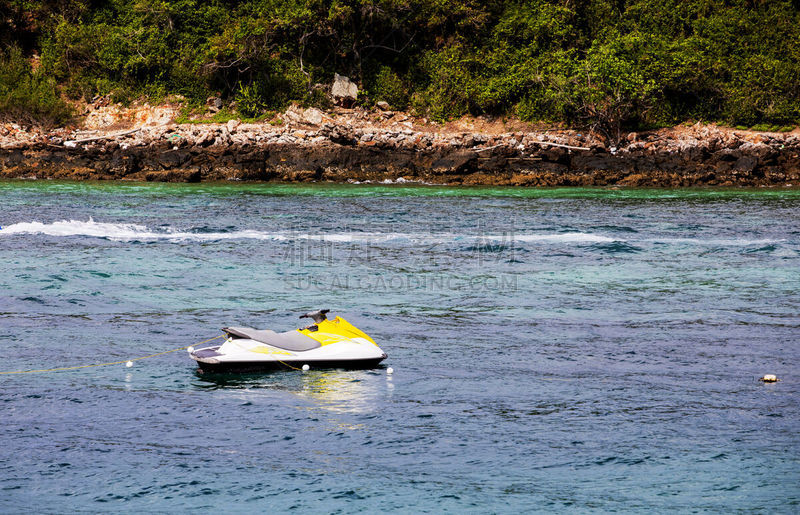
(214, 104)
(746, 163)
(312, 116)
(344, 91)
(384, 106)
(341, 135)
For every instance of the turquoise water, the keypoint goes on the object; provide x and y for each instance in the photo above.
(589, 349)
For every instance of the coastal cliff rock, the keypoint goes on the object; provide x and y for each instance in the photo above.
(314, 147)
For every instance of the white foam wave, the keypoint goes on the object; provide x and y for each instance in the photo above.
(569, 237)
(136, 232)
(399, 180)
(76, 228)
(125, 232)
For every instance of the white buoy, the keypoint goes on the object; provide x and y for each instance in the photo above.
(390, 370)
(129, 364)
(769, 378)
(190, 350)
(306, 368)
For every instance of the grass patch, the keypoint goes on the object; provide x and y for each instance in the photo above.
(197, 115)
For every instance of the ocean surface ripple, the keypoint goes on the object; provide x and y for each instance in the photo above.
(588, 349)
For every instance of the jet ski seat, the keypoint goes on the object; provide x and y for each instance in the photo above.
(290, 340)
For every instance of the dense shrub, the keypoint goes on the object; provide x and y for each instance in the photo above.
(386, 85)
(610, 64)
(250, 100)
(29, 96)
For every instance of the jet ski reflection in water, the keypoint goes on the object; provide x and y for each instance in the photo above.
(325, 344)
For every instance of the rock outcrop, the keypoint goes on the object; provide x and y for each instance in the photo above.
(317, 147)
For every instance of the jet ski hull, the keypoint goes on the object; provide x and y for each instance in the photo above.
(272, 366)
(327, 344)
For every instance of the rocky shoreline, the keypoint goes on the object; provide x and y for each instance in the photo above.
(358, 146)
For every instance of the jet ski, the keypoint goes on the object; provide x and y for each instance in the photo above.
(324, 344)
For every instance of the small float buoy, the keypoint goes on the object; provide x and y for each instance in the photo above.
(306, 368)
(190, 350)
(129, 364)
(390, 370)
(769, 378)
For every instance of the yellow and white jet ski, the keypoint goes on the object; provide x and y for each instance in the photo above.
(325, 344)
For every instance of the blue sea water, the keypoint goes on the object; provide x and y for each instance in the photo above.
(588, 349)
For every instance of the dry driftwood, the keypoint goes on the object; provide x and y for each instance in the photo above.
(72, 143)
(543, 143)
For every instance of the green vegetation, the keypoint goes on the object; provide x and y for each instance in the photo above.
(29, 96)
(609, 64)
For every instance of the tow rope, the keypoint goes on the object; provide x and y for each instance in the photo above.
(126, 361)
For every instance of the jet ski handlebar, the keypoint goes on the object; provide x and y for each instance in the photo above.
(317, 316)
